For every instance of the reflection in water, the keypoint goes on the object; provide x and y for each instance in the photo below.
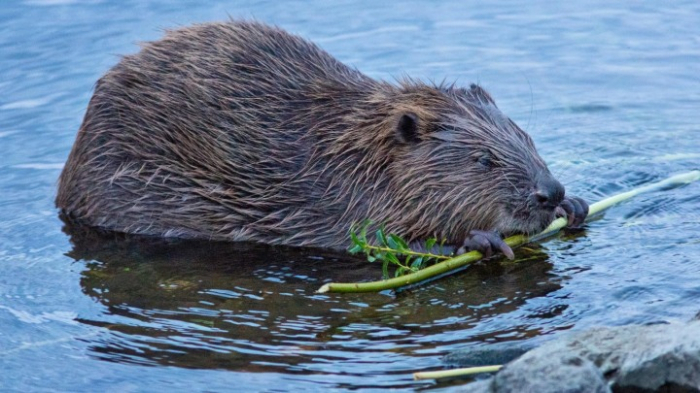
(250, 307)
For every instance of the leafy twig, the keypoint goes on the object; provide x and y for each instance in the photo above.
(392, 249)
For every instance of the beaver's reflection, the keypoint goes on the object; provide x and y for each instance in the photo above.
(248, 306)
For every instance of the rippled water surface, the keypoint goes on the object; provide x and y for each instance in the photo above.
(610, 93)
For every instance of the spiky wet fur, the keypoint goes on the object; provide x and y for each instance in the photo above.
(241, 131)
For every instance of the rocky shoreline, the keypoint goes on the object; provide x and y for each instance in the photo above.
(650, 358)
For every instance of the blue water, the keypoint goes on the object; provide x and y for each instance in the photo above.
(610, 93)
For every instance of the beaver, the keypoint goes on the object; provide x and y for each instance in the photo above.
(240, 131)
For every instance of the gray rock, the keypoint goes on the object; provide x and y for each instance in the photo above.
(625, 359)
(568, 373)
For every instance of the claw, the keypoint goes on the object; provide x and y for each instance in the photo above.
(576, 210)
(485, 242)
(569, 208)
(559, 212)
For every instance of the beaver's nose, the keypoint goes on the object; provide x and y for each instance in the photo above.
(549, 193)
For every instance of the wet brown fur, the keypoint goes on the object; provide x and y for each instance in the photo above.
(241, 131)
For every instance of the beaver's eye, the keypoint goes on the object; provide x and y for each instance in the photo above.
(485, 160)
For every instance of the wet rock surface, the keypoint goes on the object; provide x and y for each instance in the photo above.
(652, 358)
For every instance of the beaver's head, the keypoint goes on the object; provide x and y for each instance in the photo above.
(460, 164)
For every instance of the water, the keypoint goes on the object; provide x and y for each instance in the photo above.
(609, 92)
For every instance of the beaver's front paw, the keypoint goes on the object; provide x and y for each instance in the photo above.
(485, 242)
(574, 209)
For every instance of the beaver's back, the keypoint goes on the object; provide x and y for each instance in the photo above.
(208, 133)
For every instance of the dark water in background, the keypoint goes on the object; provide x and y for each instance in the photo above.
(610, 92)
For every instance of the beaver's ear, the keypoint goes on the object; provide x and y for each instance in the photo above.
(407, 128)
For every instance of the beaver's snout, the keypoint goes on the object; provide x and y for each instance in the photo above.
(549, 193)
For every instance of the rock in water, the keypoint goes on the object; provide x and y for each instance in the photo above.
(652, 358)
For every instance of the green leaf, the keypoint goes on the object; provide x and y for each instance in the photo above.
(400, 271)
(404, 244)
(392, 243)
(355, 249)
(363, 232)
(353, 237)
(430, 243)
(385, 270)
(401, 244)
(371, 258)
(392, 258)
(417, 263)
(381, 237)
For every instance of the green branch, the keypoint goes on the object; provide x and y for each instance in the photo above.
(513, 241)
